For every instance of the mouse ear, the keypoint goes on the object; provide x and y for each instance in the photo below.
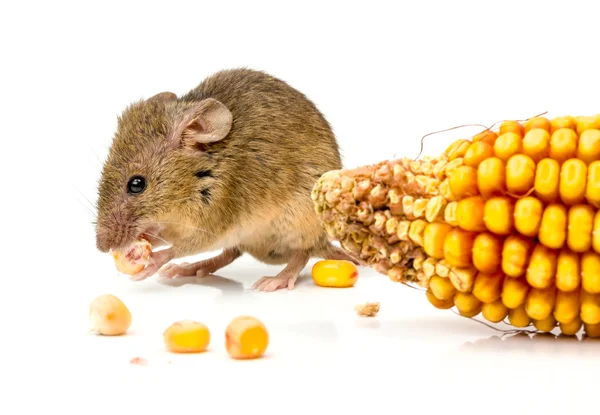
(208, 121)
(163, 97)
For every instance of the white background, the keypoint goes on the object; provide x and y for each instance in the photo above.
(384, 74)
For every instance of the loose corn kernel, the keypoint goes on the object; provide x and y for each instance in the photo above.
(186, 336)
(562, 122)
(541, 271)
(463, 278)
(514, 292)
(567, 306)
(534, 123)
(547, 178)
(134, 260)
(568, 271)
(573, 181)
(553, 228)
(246, 338)
(470, 214)
(515, 255)
(592, 189)
(528, 216)
(580, 226)
(590, 307)
(592, 330)
(540, 302)
(486, 136)
(491, 177)
(434, 237)
(463, 182)
(488, 287)
(590, 272)
(507, 145)
(457, 149)
(334, 273)
(499, 215)
(518, 317)
(109, 316)
(477, 152)
(467, 304)
(441, 287)
(546, 325)
(495, 311)
(437, 303)
(520, 174)
(588, 149)
(487, 252)
(571, 328)
(563, 144)
(458, 247)
(512, 127)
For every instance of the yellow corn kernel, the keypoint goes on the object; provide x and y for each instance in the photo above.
(186, 337)
(467, 304)
(534, 123)
(491, 177)
(547, 178)
(486, 136)
(563, 144)
(580, 226)
(463, 182)
(494, 312)
(546, 325)
(488, 287)
(246, 338)
(515, 255)
(507, 145)
(592, 188)
(590, 307)
(568, 275)
(528, 216)
(584, 123)
(542, 267)
(536, 144)
(463, 278)
(511, 126)
(514, 292)
(562, 122)
(589, 146)
(499, 215)
(518, 317)
(457, 149)
(596, 233)
(553, 228)
(469, 214)
(540, 302)
(592, 330)
(487, 252)
(567, 306)
(477, 152)
(520, 174)
(437, 303)
(458, 247)
(573, 181)
(571, 328)
(441, 287)
(334, 273)
(433, 239)
(590, 272)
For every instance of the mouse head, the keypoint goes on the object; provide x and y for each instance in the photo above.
(160, 170)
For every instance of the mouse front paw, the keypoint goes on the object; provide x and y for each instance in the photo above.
(278, 282)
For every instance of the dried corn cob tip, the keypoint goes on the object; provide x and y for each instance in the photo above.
(186, 336)
(135, 258)
(335, 273)
(246, 338)
(109, 316)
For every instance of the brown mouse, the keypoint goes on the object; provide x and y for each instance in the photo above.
(228, 166)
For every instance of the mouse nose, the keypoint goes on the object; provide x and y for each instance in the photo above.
(103, 242)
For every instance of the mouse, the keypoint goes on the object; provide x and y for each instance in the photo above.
(229, 167)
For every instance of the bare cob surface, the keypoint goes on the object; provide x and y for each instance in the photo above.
(504, 224)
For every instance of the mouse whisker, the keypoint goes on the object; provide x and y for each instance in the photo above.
(164, 240)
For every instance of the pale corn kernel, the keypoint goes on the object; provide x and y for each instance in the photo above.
(407, 205)
(528, 216)
(580, 226)
(402, 230)
(334, 273)
(450, 214)
(547, 178)
(541, 270)
(442, 268)
(546, 325)
(458, 247)
(451, 167)
(590, 272)
(499, 215)
(435, 207)
(186, 336)
(494, 312)
(487, 252)
(416, 231)
(437, 303)
(441, 287)
(573, 182)
(567, 306)
(470, 213)
(507, 145)
(520, 174)
(419, 207)
(515, 255)
(246, 338)
(491, 177)
(518, 317)
(445, 190)
(463, 278)
(514, 292)
(568, 270)
(540, 302)
(109, 316)
(428, 267)
(391, 225)
(563, 144)
(553, 227)
(592, 190)
(588, 149)
(571, 328)
(488, 287)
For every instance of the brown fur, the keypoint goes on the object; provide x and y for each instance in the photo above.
(262, 172)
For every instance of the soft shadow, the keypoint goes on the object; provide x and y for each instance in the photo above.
(213, 281)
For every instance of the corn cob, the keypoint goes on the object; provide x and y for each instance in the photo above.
(505, 223)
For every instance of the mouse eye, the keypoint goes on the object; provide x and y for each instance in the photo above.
(136, 185)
